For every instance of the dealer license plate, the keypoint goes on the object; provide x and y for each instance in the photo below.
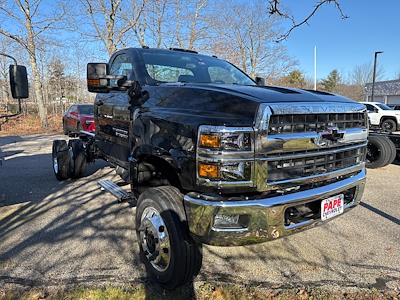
(332, 207)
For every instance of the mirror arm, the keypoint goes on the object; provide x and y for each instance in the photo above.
(9, 56)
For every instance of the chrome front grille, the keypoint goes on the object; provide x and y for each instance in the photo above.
(295, 123)
(287, 169)
(299, 144)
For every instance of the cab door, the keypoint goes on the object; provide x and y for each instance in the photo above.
(373, 114)
(113, 114)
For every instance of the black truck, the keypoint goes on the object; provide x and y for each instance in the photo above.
(211, 157)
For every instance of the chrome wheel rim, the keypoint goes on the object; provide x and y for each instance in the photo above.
(154, 239)
(55, 165)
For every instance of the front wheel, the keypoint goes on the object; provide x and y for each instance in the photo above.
(170, 255)
(389, 125)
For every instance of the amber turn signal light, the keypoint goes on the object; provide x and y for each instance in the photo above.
(93, 82)
(210, 141)
(208, 170)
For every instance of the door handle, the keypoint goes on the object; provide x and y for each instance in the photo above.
(99, 103)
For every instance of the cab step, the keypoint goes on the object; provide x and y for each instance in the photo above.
(117, 191)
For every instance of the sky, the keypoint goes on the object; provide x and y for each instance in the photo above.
(342, 44)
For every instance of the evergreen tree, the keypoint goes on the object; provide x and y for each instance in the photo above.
(295, 78)
(331, 82)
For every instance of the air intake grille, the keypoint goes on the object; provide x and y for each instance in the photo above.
(290, 169)
(293, 123)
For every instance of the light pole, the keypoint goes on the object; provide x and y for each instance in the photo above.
(374, 74)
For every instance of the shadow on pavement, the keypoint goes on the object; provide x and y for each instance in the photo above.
(66, 233)
(381, 213)
(70, 233)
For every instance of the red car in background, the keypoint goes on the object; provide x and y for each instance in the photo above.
(78, 117)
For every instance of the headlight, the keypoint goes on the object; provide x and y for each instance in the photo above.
(225, 138)
(225, 156)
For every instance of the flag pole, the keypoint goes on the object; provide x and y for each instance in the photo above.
(315, 68)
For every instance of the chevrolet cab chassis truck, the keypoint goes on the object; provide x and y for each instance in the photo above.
(211, 157)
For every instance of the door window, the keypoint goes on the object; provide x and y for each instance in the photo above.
(122, 65)
(170, 74)
(370, 108)
(221, 75)
(72, 109)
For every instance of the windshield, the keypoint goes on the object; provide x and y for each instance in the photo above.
(165, 67)
(86, 109)
(383, 106)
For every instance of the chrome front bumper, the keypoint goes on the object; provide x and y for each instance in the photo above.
(263, 218)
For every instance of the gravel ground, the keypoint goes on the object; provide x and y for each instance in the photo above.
(71, 233)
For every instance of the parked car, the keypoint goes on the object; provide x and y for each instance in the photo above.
(394, 106)
(78, 117)
(383, 116)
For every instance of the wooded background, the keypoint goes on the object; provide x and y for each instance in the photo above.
(56, 39)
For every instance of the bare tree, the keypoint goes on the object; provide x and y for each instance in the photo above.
(150, 28)
(247, 38)
(112, 20)
(362, 74)
(104, 18)
(29, 23)
(169, 23)
(190, 23)
(358, 77)
(275, 8)
(136, 17)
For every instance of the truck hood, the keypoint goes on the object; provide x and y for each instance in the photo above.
(272, 94)
(234, 105)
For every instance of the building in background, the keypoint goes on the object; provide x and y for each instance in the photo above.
(385, 91)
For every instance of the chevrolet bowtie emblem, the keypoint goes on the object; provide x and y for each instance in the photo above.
(332, 134)
(328, 136)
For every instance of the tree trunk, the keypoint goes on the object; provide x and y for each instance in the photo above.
(37, 85)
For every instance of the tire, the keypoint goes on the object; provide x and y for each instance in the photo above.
(78, 159)
(391, 150)
(61, 160)
(65, 130)
(378, 152)
(181, 256)
(78, 128)
(389, 125)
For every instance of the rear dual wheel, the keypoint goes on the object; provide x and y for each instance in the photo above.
(69, 160)
(171, 256)
(380, 151)
(60, 159)
(78, 158)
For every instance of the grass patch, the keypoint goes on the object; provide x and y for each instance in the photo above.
(30, 124)
(204, 291)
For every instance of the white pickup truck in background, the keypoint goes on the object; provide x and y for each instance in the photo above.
(383, 116)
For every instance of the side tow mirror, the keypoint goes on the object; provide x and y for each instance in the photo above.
(97, 77)
(260, 81)
(19, 82)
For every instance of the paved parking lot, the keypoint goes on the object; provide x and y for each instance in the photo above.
(60, 233)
